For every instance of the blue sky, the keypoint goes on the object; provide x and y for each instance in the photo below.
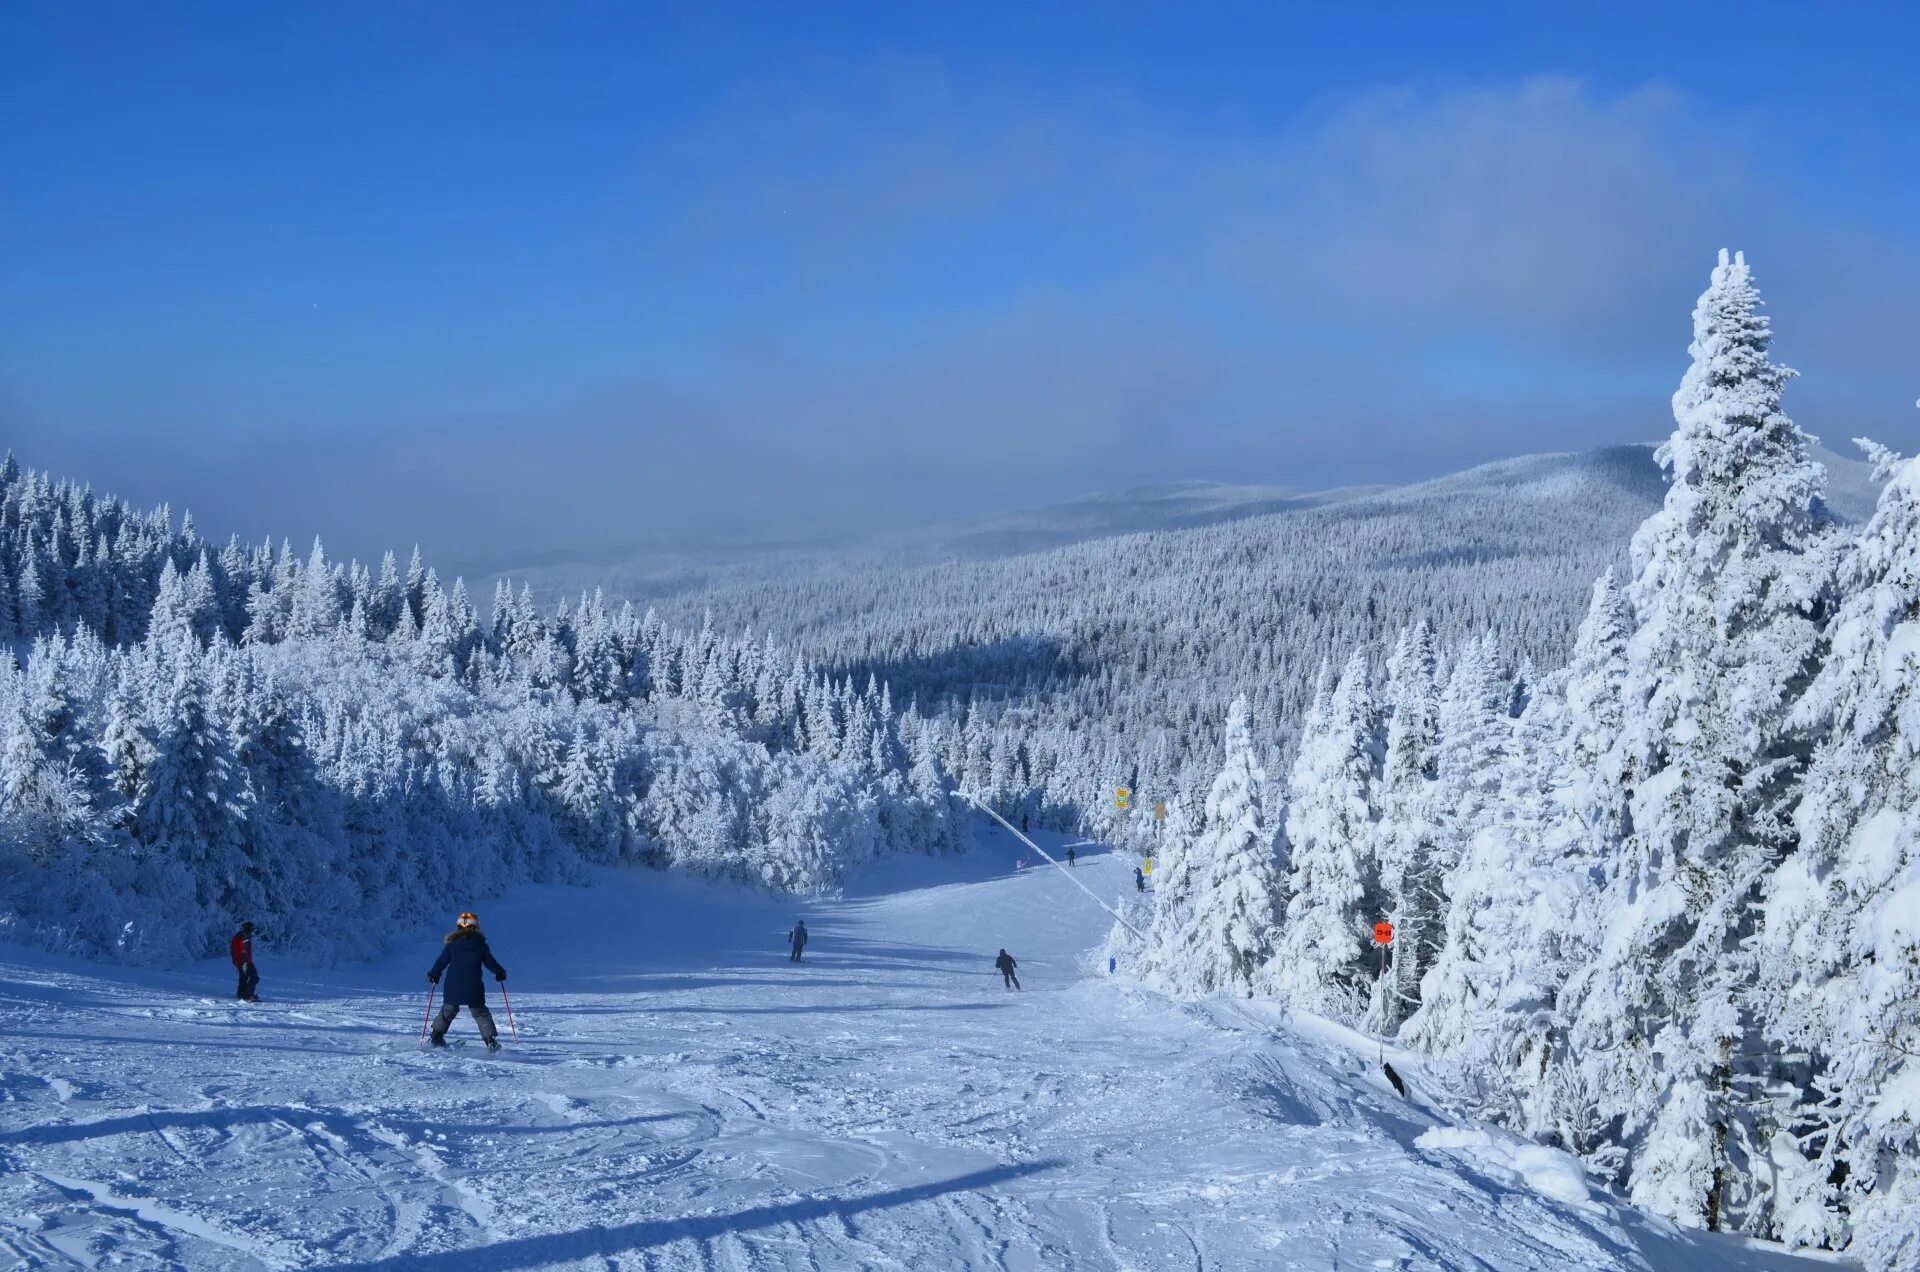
(516, 279)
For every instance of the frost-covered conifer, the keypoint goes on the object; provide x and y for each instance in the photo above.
(202, 601)
(435, 646)
(1321, 961)
(1523, 904)
(1219, 900)
(9, 620)
(414, 590)
(596, 670)
(315, 608)
(171, 621)
(1840, 947)
(1725, 600)
(193, 803)
(1596, 694)
(939, 822)
(1407, 835)
(1518, 920)
(1474, 721)
(388, 597)
(29, 593)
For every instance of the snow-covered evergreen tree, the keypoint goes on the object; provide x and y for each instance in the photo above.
(1219, 900)
(1409, 831)
(1322, 960)
(1725, 597)
(193, 803)
(1518, 920)
(1523, 903)
(1840, 948)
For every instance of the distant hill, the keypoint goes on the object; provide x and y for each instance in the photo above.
(1173, 506)
(674, 569)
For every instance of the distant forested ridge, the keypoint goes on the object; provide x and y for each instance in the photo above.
(1048, 679)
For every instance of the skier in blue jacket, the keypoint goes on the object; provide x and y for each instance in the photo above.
(465, 953)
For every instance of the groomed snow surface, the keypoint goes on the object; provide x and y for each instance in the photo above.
(682, 1096)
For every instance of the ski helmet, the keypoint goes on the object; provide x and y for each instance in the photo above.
(469, 919)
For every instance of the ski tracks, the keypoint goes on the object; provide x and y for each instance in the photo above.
(885, 1106)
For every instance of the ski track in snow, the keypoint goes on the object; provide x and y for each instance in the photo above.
(683, 1097)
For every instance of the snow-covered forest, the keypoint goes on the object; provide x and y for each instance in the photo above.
(196, 734)
(1659, 907)
(1050, 678)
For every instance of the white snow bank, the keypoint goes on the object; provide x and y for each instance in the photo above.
(1545, 1170)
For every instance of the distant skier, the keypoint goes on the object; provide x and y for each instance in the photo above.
(465, 954)
(1139, 880)
(798, 940)
(1023, 823)
(1070, 856)
(1006, 963)
(241, 948)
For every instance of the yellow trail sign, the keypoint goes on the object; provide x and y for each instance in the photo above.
(1123, 799)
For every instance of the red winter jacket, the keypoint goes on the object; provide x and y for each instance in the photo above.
(242, 949)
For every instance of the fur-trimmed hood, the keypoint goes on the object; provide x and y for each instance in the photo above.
(466, 934)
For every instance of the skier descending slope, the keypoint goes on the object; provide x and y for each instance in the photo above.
(462, 958)
(241, 947)
(798, 939)
(1006, 963)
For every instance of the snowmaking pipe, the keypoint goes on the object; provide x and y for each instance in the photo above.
(980, 804)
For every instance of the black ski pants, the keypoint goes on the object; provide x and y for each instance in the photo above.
(481, 1016)
(249, 982)
(795, 957)
(1013, 982)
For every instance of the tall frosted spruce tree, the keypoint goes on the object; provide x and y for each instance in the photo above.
(1726, 598)
(1407, 836)
(1322, 963)
(1214, 922)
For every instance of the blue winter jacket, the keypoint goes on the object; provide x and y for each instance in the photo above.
(465, 953)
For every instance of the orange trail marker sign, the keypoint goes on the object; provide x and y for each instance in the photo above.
(1383, 937)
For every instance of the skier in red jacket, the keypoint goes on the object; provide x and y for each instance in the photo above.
(241, 947)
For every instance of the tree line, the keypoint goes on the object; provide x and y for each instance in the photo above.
(191, 735)
(1659, 907)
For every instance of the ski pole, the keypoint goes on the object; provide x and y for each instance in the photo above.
(431, 986)
(509, 1002)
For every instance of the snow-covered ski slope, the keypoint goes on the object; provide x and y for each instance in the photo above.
(685, 1097)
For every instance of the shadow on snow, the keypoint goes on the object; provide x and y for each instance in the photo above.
(533, 1252)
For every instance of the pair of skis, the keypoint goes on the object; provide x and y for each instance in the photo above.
(504, 998)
